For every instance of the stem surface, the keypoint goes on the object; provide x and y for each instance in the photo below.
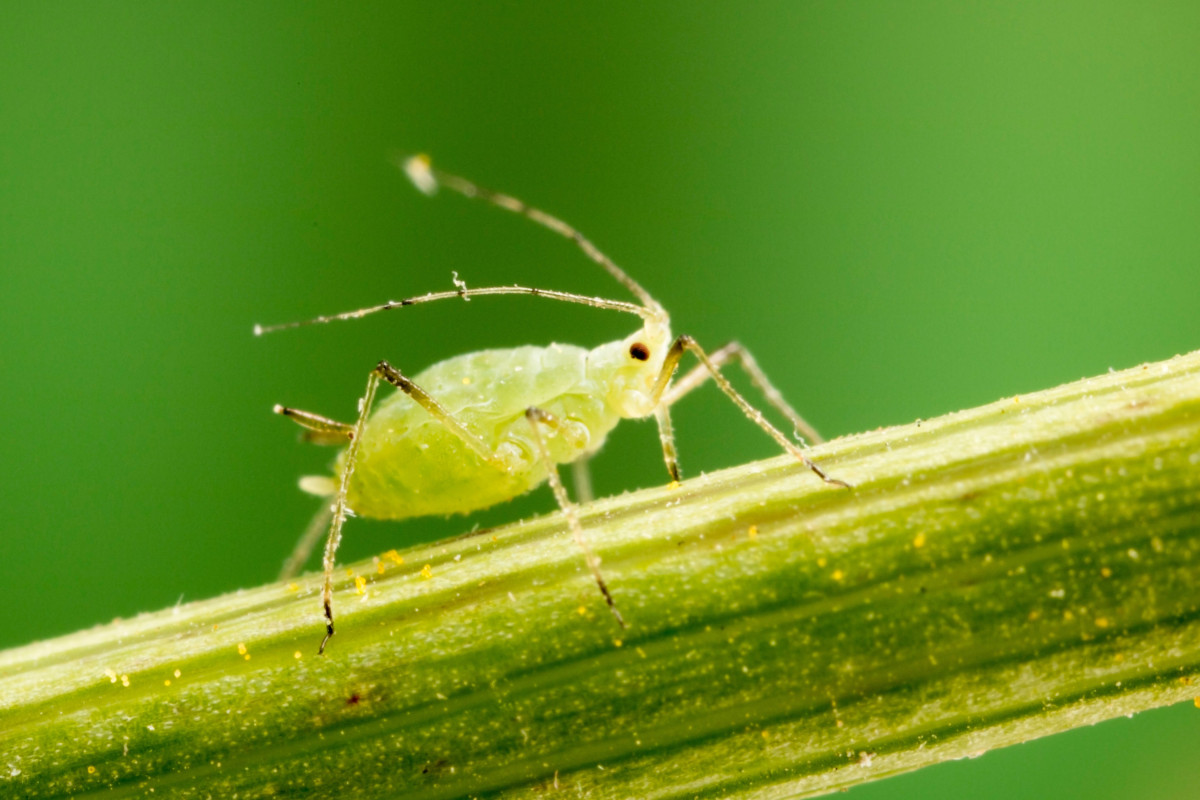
(994, 575)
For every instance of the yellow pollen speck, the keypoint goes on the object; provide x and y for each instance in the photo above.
(821, 562)
(293, 587)
(360, 585)
(214, 626)
(1197, 702)
(247, 656)
(582, 610)
(617, 642)
(673, 485)
(112, 676)
(91, 770)
(752, 532)
(467, 381)
(426, 572)
(766, 734)
(297, 655)
(379, 568)
(125, 680)
(394, 557)
(839, 723)
(241, 649)
(177, 673)
(349, 573)
(1034, 615)
(1101, 622)
(838, 574)
(919, 540)
(1105, 572)
(1119, 657)
(167, 682)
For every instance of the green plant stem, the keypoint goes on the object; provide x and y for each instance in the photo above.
(994, 575)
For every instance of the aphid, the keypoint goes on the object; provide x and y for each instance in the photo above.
(485, 427)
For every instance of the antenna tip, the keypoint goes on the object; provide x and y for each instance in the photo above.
(419, 170)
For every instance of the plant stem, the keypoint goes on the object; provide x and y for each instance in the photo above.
(994, 576)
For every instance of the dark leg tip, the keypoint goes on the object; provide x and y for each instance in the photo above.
(325, 641)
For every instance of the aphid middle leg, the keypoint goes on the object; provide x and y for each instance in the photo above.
(538, 417)
(684, 344)
(734, 351)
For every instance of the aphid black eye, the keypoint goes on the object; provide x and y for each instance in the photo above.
(639, 351)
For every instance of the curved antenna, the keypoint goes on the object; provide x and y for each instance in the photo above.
(426, 178)
(466, 294)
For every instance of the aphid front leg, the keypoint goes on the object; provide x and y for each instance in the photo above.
(734, 351)
(684, 344)
(537, 417)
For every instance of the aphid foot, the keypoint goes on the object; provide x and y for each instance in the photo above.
(328, 629)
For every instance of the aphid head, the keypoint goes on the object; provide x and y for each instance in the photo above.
(629, 368)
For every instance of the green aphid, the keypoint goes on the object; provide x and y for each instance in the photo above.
(481, 428)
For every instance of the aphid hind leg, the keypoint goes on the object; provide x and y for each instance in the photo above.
(684, 344)
(383, 371)
(319, 430)
(537, 417)
(339, 503)
(438, 412)
(308, 540)
(735, 352)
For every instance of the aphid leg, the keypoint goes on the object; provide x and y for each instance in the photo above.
(662, 415)
(308, 540)
(383, 371)
(320, 430)
(537, 417)
(734, 351)
(581, 479)
(685, 344)
(438, 412)
(339, 503)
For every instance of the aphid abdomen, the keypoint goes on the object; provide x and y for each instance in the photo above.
(428, 471)
(409, 464)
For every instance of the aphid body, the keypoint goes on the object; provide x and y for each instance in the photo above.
(410, 465)
(482, 428)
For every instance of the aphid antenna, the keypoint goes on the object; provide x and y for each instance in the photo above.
(650, 315)
(427, 178)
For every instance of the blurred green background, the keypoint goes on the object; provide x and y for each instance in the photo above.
(902, 209)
